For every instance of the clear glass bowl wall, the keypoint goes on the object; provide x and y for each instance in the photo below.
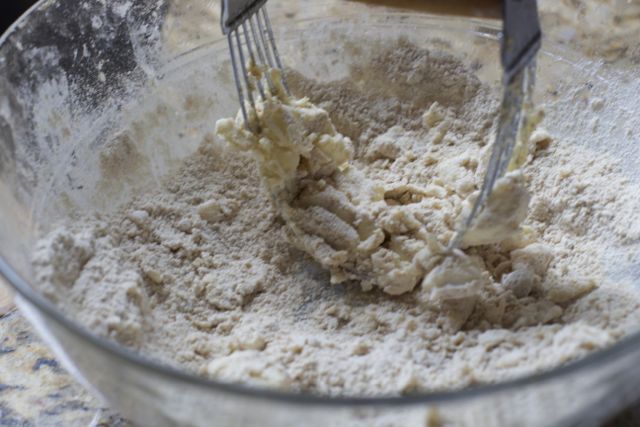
(74, 73)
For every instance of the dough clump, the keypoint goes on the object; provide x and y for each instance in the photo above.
(357, 227)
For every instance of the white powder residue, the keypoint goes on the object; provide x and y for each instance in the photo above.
(200, 273)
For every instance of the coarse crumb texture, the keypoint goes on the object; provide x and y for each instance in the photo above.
(200, 274)
(392, 235)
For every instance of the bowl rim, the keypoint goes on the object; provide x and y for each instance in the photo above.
(619, 349)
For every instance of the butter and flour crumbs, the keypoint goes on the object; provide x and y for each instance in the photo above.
(359, 228)
(206, 274)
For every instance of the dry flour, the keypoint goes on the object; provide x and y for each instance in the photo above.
(200, 274)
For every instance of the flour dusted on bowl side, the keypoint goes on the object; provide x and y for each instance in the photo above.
(206, 274)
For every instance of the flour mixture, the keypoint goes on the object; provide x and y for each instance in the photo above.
(318, 265)
(357, 227)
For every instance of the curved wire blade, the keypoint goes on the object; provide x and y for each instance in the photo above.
(517, 93)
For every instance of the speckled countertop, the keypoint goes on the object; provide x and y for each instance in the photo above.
(35, 391)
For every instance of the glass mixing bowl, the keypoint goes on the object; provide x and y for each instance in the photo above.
(72, 72)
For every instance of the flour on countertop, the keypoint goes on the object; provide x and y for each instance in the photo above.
(199, 273)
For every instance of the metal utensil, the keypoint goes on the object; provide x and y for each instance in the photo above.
(246, 25)
(253, 48)
(521, 39)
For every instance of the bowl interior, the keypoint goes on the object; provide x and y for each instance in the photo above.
(56, 126)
